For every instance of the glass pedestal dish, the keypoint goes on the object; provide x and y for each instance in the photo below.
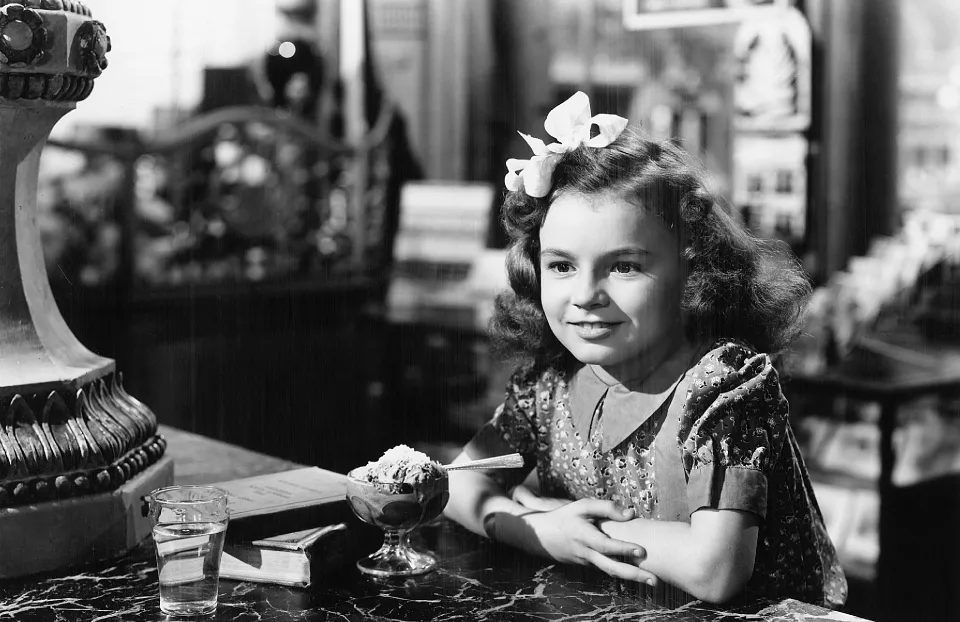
(397, 508)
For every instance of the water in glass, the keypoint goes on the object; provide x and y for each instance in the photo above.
(188, 561)
(189, 526)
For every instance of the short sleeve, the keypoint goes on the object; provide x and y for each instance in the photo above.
(513, 428)
(732, 429)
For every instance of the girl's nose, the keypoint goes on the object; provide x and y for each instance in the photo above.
(588, 293)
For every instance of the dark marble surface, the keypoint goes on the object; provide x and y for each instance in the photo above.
(477, 580)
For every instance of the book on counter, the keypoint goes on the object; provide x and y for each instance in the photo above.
(294, 559)
(285, 502)
(289, 527)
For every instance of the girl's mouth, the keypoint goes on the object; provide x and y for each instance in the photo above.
(592, 331)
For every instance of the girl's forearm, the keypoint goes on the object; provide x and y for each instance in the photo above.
(697, 562)
(671, 552)
(480, 505)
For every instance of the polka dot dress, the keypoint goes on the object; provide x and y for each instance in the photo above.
(723, 441)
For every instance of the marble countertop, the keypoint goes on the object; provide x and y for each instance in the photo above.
(477, 580)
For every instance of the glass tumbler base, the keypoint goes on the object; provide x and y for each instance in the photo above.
(188, 609)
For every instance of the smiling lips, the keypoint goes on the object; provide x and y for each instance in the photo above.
(592, 331)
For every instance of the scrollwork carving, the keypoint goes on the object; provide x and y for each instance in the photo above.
(103, 436)
(91, 441)
(54, 418)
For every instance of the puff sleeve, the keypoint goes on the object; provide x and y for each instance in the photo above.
(513, 427)
(732, 429)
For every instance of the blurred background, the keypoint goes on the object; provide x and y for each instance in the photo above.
(280, 218)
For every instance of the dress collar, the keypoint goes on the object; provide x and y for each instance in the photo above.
(626, 406)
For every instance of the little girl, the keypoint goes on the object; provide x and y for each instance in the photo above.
(643, 315)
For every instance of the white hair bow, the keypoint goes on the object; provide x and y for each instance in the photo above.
(569, 123)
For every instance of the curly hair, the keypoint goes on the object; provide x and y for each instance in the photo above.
(737, 286)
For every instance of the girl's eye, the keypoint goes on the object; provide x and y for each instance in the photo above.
(626, 267)
(560, 267)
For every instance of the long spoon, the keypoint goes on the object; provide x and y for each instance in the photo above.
(509, 461)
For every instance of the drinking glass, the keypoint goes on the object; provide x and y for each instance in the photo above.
(189, 525)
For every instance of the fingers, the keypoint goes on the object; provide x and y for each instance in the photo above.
(618, 548)
(622, 570)
(522, 495)
(598, 508)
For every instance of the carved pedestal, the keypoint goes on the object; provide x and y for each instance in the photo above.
(76, 450)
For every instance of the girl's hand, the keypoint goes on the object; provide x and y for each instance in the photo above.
(529, 499)
(568, 534)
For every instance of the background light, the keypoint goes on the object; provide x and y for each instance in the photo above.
(948, 96)
(287, 49)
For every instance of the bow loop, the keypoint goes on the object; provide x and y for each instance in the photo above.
(566, 121)
(536, 145)
(610, 126)
(570, 124)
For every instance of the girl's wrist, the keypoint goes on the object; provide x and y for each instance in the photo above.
(512, 529)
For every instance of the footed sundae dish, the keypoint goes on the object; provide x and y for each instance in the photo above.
(401, 490)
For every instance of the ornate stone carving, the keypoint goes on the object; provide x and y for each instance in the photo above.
(22, 36)
(59, 445)
(51, 5)
(67, 426)
(49, 87)
(33, 67)
(94, 44)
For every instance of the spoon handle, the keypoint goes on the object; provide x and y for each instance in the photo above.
(510, 461)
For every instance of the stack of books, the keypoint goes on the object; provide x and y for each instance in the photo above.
(289, 528)
(294, 559)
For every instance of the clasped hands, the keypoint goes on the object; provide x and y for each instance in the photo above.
(568, 531)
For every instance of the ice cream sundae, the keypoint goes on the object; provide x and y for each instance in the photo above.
(399, 491)
(402, 465)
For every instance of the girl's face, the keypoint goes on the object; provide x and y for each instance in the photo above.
(610, 284)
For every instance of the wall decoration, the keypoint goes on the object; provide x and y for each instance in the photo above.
(771, 114)
(658, 14)
(770, 184)
(772, 87)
